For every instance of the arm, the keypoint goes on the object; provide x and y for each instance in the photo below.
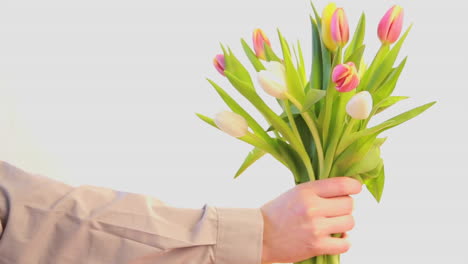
(46, 221)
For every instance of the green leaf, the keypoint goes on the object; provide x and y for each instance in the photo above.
(388, 102)
(392, 122)
(326, 66)
(379, 57)
(376, 185)
(369, 162)
(354, 153)
(234, 66)
(374, 172)
(316, 14)
(316, 71)
(293, 80)
(386, 66)
(251, 158)
(293, 159)
(356, 57)
(208, 120)
(249, 93)
(312, 97)
(358, 37)
(300, 63)
(270, 54)
(386, 89)
(401, 118)
(235, 107)
(256, 63)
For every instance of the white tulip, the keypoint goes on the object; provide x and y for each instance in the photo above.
(273, 79)
(360, 105)
(231, 123)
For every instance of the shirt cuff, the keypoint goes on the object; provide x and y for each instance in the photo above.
(240, 236)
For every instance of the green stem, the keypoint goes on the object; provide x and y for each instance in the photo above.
(334, 259)
(329, 98)
(297, 144)
(349, 128)
(381, 53)
(315, 134)
(335, 138)
(320, 260)
(348, 131)
(291, 120)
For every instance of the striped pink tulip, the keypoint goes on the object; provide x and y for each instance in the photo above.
(339, 27)
(259, 40)
(346, 77)
(219, 63)
(391, 25)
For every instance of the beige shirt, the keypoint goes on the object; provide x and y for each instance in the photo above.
(48, 222)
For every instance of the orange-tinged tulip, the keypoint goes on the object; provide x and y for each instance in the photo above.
(346, 77)
(340, 27)
(259, 41)
(231, 123)
(327, 15)
(219, 63)
(390, 25)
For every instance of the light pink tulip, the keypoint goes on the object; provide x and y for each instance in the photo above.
(391, 25)
(339, 27)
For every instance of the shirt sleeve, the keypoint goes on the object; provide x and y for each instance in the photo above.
(46, 221)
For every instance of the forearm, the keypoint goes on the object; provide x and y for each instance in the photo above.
(46, 220)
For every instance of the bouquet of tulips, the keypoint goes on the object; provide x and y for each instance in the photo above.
(322, 130)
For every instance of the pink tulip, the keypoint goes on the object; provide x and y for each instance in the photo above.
(339, 27)
(346, 77)
(259, 41)
(391, 25)
(219, 63)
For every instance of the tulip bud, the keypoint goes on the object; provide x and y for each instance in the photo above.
(346, 77)
(360, 105)
(327, 15)
(259, 41)
(391, 25)
(231, 123)
(273, 79)
(219, 63)
(340, 27)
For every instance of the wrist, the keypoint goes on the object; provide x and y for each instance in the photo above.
(265, 249)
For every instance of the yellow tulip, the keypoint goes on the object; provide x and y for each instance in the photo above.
(327, 15)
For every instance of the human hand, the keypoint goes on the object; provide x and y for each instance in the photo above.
(298, 224)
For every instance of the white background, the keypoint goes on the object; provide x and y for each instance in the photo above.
(104, 93)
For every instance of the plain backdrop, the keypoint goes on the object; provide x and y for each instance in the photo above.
(105, 93)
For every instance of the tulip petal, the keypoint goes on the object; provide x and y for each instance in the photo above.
(395, 28)
(346, 77)
(326, 26)
(259, 41)
(273, 79)
(340, 27)
(384, 25)
(360, 105)
(339, 72)
(231, 123)
(390, 25)
(219, 63)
